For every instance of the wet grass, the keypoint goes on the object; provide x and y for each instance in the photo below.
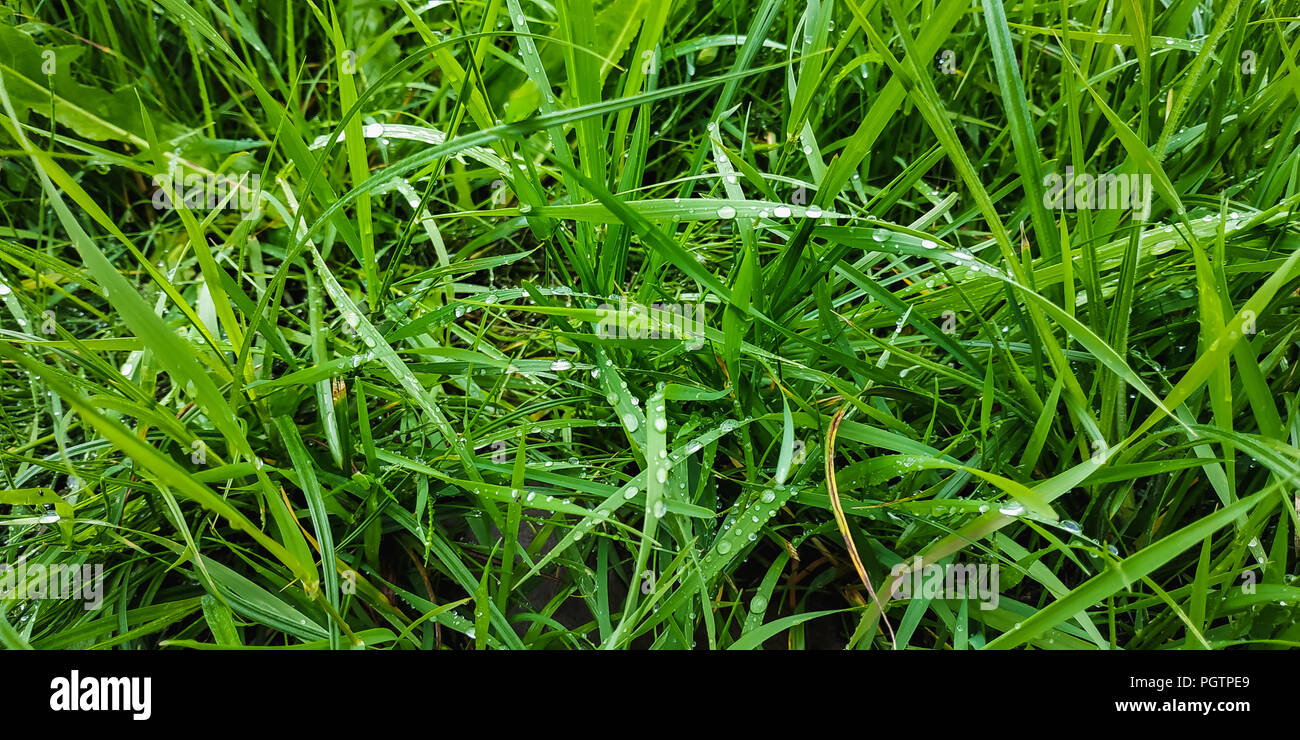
(388, 408)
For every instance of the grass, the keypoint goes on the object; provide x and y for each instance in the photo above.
(385, 410)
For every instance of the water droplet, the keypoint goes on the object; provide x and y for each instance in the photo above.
(726, 212)
(561, 365)
(928, 244)
(1071, 526)
(724, 547)
(629, 421)
(880, 235)
(1014, 508)
(768, 496)
(631, 493)
(813, 212)
(781, 212)
(757, 604)
(661, 425)
(661, 508)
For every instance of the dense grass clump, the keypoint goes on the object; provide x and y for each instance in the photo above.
(518, 325)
